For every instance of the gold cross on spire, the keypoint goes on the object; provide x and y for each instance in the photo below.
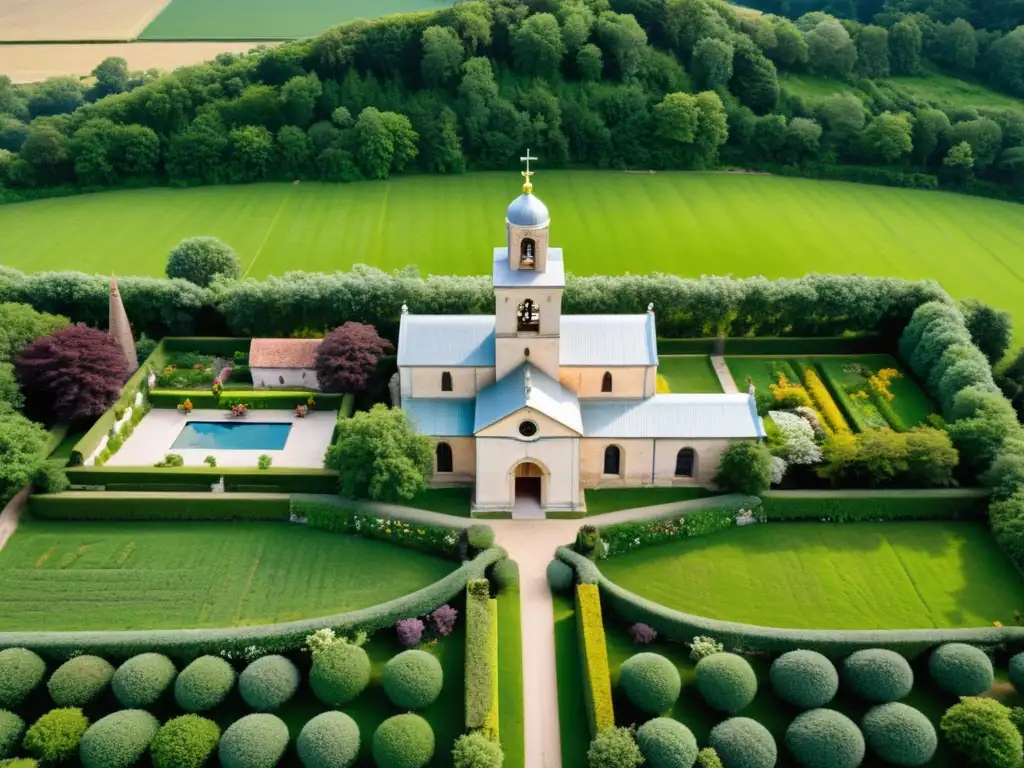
(528, 185)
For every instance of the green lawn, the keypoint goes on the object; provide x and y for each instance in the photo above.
(77, 576)
(604, 500)
(450, 226)
(812, 89)
(450, 501)
(510, 679)
(762, 371)
(850, 576)
(910, 403)
(689, 373)
(572, 714)
(266, 19)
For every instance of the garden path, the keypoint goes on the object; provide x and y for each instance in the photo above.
(11, 514)
(724, 375)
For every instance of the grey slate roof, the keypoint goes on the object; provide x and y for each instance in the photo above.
(504, 276)
(608, 340)
(508, 395)
(446, 340)
(441, 417)
(675, 416)
(527, 210)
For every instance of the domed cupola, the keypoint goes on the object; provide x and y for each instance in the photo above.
(527, 222)
(527, 210)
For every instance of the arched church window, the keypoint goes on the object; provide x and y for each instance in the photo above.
(612, 460)
(684, 462)
(606, 382)
(444, 457)
(528, 315)
(527, 253)
(446, 382)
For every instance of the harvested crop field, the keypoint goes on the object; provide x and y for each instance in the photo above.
(72, 20)
(30, 63)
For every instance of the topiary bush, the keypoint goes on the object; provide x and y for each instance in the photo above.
(560, 576)
(204, 684)
(726, 681)
(805, 679)
(329, 740)
(878, 675)
(824, 738)
(79, 680)
(255, 741)
(118, 740)
(11, 729)
(667, 743)
(403, 741)
(413, 679)
(899, 734)
(480, 536)
(20, 672)
(743, 743)
(54, 737)
(614, 748)
(268, 683)
(200, 259)
(339, 674)
(185, 742)
(1016, 672)
(650, 681)
(474, 750)
(142, 680)
(505, 574)
(981, 730)
(961, 669)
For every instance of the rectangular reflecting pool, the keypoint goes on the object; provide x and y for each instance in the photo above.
(233, 436)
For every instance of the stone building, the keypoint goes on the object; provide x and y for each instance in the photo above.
(532, 406)
(284, 363)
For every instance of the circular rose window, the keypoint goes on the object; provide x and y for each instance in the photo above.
(527, 429)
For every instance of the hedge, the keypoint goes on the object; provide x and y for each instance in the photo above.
(864, 506)
(204, 684)
(79, 680)
(268, 638)
(142, 680)
(481, 658)
(597, 685)
(863, 344)
(21, 671)
(256, 399)
(339, 673)
(413, 679)
(683, 627)
(329, 740)
(179, 479)
(268, 682)
(103, 505)
(255, 741)
(220, 346)
(119, 740)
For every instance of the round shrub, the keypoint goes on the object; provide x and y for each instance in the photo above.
(79, 681)
(185, 742)
(505, 574)
(480, 536)
(11, 728)
(142, 680)
(339, 674)
(1016, 672)
(824, 738)
(54, 737)
(20, 672)
(413, 679)
(204, 684)
(805, 679)
(743, 743)
(255, 741)
(961, 669)
(899, 734)
(667, 743)
(614, 748)
(878, 675)
(329, 740)
(118, 740)
(268, 682)
(560, 576)
(200, 259)
(982, 731)
(726, 681)
(650, 681)
(403, 741)
(474, 750)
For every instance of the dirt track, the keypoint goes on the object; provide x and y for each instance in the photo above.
(30, 20)
(31, 63)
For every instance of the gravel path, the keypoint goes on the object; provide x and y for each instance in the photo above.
(724, 375)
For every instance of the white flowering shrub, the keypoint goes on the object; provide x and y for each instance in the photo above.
(778, 467)
(702, 647)
(798, 445)
(320, 640)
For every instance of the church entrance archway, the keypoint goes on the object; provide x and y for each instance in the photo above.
(528, 487)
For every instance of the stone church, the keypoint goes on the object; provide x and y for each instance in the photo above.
(532, 406)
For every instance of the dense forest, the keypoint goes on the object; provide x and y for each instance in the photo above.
(646, 84)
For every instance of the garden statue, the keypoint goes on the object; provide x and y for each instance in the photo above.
(395, 390)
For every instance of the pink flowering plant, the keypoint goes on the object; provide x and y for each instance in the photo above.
(409, 631)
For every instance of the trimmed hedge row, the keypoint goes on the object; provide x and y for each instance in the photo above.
(179, 479)
(683, 627)
(257, 400)
(777, 345)
(481, 658)
(103, 505)
(188, 644)
(597, 686)
(221, 346)
(863, 506)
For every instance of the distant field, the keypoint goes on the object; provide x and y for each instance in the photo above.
(28, 20)
(268, 19)
(72, 576)
(608, 223)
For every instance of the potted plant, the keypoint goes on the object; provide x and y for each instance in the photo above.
(216, 388)
(239, 410)
(311, 403)
(300, 411)
(185, 407)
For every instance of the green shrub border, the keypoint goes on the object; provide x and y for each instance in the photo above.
(481, 659)
(777, 345)
(856, 506)
(256, 399)
(597, 685)
(683, 627)
(102, 505)
(189, 644)
(180, 479)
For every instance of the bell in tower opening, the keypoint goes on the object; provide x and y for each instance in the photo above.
(526, 260)
(529, 316)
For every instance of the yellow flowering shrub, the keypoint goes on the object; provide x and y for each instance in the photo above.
(881, 380)
(786, 389)
(826, 406)
(597, 686)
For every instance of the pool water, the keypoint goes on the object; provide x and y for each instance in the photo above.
(233, 436)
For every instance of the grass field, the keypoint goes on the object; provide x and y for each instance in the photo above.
(64, 576)
(605, 500)
(684, 223)
(267, 20)
(688, 373)
(851, 576)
